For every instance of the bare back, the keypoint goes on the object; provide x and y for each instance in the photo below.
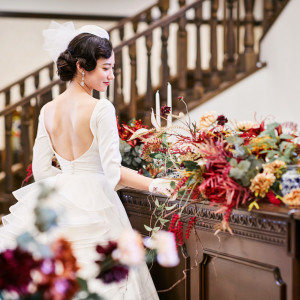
(67, 122)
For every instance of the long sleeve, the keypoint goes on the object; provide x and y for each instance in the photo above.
(43, 153)
(108, 142)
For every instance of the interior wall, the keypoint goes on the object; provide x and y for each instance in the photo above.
(273, 92)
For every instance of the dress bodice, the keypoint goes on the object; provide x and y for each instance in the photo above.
(103, 155)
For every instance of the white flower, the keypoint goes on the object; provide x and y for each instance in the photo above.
(165, 245)
(246, 125)
(206, 120)
(130, 250)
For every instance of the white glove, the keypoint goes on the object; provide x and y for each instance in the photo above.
(161, 186)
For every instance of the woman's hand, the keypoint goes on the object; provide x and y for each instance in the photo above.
(161, 186)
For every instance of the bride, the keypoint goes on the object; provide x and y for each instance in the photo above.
(81, 132)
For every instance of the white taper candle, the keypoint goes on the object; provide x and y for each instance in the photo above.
(157, 108)
(169, 103)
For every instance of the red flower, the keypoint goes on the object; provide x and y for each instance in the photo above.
(272, 198)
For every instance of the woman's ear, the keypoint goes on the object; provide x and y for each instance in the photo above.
(79, 68)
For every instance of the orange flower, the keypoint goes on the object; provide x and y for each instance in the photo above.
(293, 198)
(261, 183)
(275, 167)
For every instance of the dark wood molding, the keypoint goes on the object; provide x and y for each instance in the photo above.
(31, 15)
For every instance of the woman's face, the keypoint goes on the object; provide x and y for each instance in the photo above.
(99, 79)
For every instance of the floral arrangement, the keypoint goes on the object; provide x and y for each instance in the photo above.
(42, 264)
(224, 162)
(131, 149)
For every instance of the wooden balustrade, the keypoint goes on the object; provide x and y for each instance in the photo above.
(205, 76)
(29, 107)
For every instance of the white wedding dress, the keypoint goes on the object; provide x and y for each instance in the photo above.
(92, 212)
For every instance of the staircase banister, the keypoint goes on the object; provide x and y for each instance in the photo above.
(12, 107)
(159, 23)
(26, 76)
(122, 22)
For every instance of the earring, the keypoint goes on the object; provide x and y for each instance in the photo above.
(82, 79)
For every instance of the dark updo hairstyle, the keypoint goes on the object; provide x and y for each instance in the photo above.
(86, 48)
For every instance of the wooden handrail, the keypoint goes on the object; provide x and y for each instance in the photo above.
(159, 23)
(12, 107)
(26, 76)
(133, 18)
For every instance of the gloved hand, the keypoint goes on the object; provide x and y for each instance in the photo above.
(161, 186)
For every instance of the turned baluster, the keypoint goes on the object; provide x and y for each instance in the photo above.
(133, 87)
(149, 17)
(25, 136)
(230, 68)
(7, 97)
(249, 56)
(119, 73)
(22, 88)
(51, 71)
(182, 55)
(198, 87)
(37, 108)
(214, 74)
(268, 13)
(163, 6)
(149, 94)
(118, 92)
(8, 154)
(181, 3)
(165, 70)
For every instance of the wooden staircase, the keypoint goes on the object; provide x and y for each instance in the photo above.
(230, 29)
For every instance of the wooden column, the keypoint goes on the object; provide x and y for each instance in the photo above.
(198, 87)
(249, 57)
(149, 94)
(165, 71)
(214, 76)
(229, 63)
(133, 87)
(181, 2)
(182, 56)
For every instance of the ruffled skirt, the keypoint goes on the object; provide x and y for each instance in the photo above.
(90, 214)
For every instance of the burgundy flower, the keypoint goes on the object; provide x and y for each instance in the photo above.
(222, 120)
(15, 270)
(106, 250)
(115, 274)
(165, 110)
(180, 98)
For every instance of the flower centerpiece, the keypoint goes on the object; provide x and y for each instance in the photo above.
(226, 163)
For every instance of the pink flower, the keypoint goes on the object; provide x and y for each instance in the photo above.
(130, 249)
(165, 245)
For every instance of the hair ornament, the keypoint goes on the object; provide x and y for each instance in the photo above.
(58, 36)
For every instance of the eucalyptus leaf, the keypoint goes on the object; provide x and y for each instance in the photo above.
(148, 228)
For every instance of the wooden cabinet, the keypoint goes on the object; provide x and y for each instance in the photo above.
(261, 261)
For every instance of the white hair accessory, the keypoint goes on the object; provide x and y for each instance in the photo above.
(58, 36)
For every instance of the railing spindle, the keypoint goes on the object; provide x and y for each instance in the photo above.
(118, 91)
(25, 136)
(165, 70)
(163, 6)
(268, 13)
(214, 76)
(133, 87)
(198, 86)
(229, 63)
(182, 55)
(249, 56)
(149, 94)
(8, 154)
